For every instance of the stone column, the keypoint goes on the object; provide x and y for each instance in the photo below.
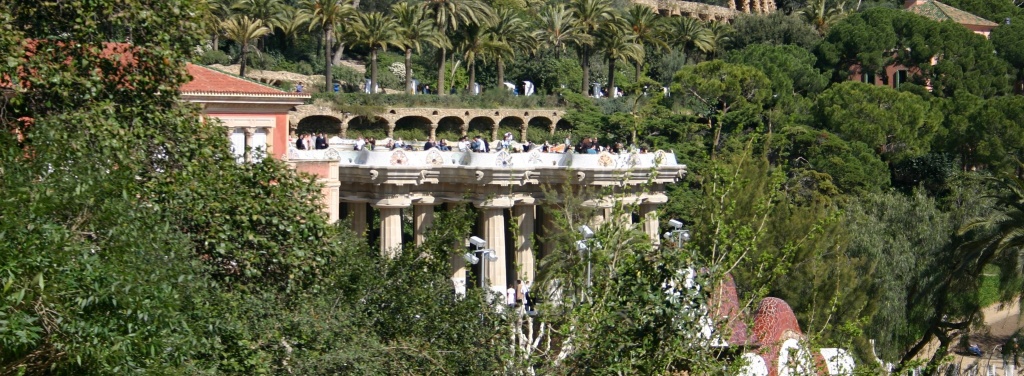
(391, 224)
(390, 231)
(548, 227)
(649, 216)
(494, 130)
(525, 213)
(493, 217)
(332, 200)
(249, 131)
(601, 212)
(433, 131)
(423, 214)
(458, 264)
(357, 210)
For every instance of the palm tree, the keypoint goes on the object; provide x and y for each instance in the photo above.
(589, 16)
(291, 22)
(644, 23)
(448, 16)
(263, 10)
(377, 32)
(558, 28)
(243, 30)
(821, 16)
(325, 14)
(511, 34)
(473, 45)
(616, 42)
(721, 36)
(414, 28)
(215, 12)
(1001, 234)
(687, 34)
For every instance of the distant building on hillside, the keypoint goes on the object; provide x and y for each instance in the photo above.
(897, 74)
(256, 115)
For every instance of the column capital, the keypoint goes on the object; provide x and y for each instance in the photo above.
(249, 131)
(425, 200)
(656, 198)
(525, 200)
(502, 202)
(600, 203)
(392, 203)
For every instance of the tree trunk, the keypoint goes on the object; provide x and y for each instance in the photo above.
(408, 72)
(327, 56)
(611, 77)
(241, 69)
(585, 64)
(216, 42)
(639, 66)
(440, 73)
(501, 73)
(472, 73)
(373, 70)
(338, 55)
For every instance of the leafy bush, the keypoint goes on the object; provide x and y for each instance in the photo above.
(346, 74)
(214, 57)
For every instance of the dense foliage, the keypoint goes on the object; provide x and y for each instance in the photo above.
(135, 243)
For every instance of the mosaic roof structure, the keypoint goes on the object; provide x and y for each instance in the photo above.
(942, 12)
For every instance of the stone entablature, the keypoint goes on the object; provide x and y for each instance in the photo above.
(392, 115)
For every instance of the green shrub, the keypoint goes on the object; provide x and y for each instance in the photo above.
(214, 57)
(346, 74)
(412, 134)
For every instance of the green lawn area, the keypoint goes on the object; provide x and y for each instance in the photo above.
(988, 294)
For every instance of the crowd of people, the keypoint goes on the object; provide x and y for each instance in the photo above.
(308, 141)
(519, 295)
(477, 144)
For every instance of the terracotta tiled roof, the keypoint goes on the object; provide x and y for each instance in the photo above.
(941, 12)
(209, 81)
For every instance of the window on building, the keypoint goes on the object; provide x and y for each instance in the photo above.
(899, 78)
(867, 77)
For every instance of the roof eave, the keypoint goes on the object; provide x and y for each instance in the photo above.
(292, 99)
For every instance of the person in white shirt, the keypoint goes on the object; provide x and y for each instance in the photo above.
(463, 144)
(510, 296)
(360, 142)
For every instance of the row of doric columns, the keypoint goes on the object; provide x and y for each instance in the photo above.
(492, 225)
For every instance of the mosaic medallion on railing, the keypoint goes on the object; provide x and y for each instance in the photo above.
(434, 158)
(503, 159)
(398, 158)
(605, 159)
(332, 154)
(535, 158)
(659, 157)
(631, 160)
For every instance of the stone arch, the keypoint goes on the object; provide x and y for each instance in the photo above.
(368, 126)
(540, 123)
(301, 112)
(415, 123)
(560, 124)
(449, 126)
(483, 125)
(328, 125)
(513, 124)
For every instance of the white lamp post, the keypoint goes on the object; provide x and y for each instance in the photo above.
(488, 255)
